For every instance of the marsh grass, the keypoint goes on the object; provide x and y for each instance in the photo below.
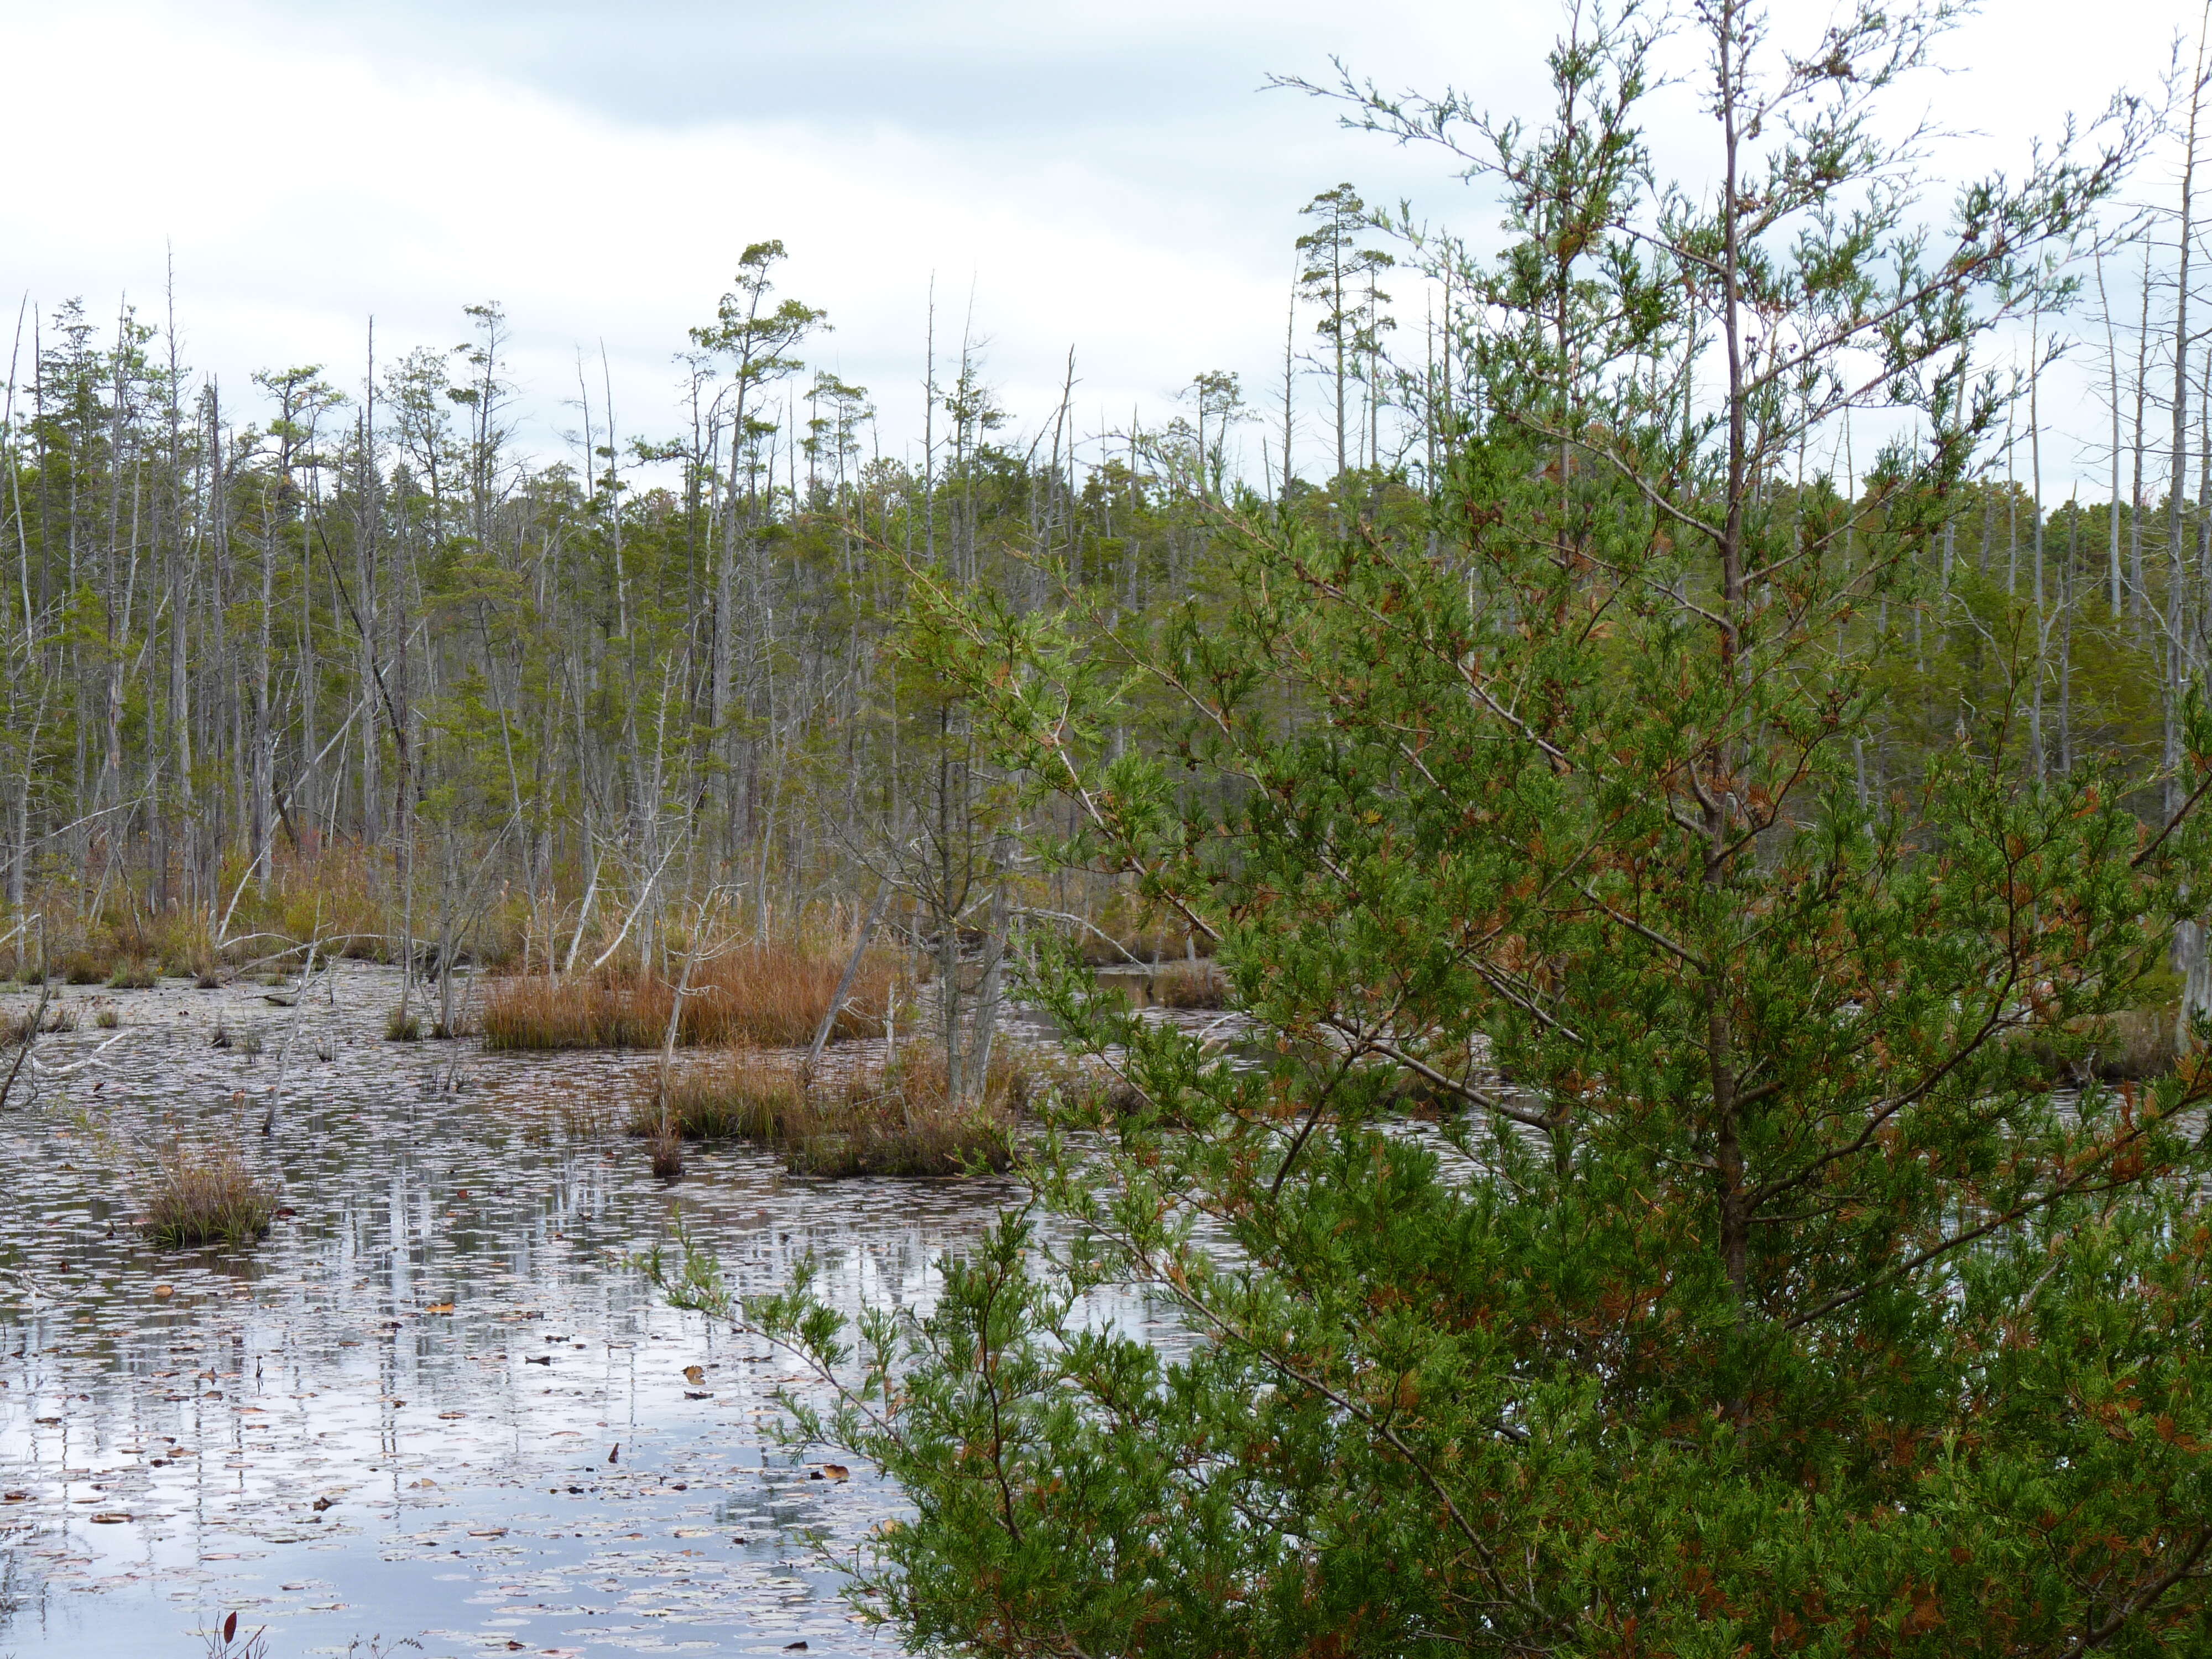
(2139, 1045)
(402, 1025)
(85, 966)
(1199, 984)
(768, 995)
(207, 1198)
(585, 1116)
(884, 1120)
(136, 974)
(2136, 1045)
(15, 1028)
(900, 1120)
(1120, 947)
(739, 1093)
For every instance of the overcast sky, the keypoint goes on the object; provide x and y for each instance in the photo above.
(1109, 179)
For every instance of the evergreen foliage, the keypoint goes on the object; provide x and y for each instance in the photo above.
(1762, 1291)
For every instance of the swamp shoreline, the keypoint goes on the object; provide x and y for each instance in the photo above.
(436, 1402)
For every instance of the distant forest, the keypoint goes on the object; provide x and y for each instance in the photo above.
(346, 614)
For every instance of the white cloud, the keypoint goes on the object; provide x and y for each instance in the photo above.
(598, 169)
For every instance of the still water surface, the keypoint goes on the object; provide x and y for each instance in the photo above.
(302, 1433)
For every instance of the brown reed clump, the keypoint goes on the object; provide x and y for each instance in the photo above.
(768, 995)
(87, 964)
(2134, 1045)
(15, 1028)
(886, 1119)
(600, 1011)
(1199, 984)
(740, 1093)
(1123, 947)
(2140, 1045)
(207, 1199)
(667, 1159)
(900, 1120)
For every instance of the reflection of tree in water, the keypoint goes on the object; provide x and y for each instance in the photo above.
(11, 1593)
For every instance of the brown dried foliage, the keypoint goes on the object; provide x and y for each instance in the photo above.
(1199, 984)
(889, 1119)
(768, 995)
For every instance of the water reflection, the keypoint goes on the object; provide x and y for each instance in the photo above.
(305, 1433)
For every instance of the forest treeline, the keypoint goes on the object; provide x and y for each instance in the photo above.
(343, 622)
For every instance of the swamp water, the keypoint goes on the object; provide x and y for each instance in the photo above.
(435, 1403)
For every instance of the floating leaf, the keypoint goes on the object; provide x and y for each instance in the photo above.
(695, 1375)
(438, 1308)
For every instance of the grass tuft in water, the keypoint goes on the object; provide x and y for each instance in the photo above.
(403, 1026)
(739, 1093)
(85, 967)
(668, 1157)
(900, 1120)
(895, 1120)
(135, 976)
(208, 1198)
(15, 1028)
(1199, 984)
